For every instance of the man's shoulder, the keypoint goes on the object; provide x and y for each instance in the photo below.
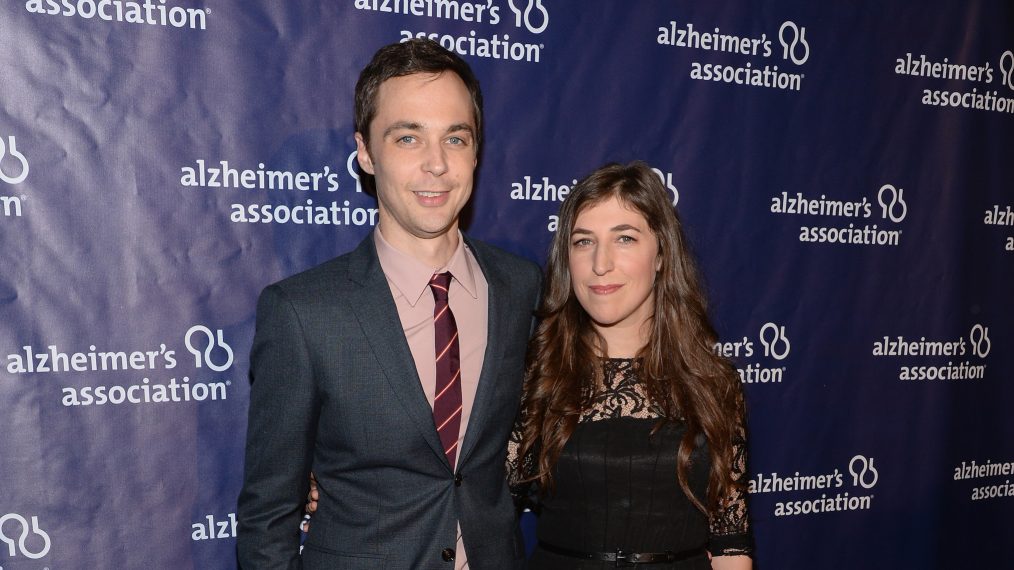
(330, 272)
(510, 263)
(330, 276)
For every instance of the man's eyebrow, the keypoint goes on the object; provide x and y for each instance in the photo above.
(402, 126)
(461, 127)
(414, 126)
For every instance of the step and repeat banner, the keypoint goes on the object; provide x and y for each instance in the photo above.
(844, 168)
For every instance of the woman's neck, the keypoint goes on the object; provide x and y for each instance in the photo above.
(623, 342)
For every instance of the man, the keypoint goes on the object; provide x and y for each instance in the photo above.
(394, 371)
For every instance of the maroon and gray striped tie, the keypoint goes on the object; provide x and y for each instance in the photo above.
(447, 402)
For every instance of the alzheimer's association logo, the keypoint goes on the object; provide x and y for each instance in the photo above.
(798, 49)
(864, 474)
(13, 170)
(211, 342)
(1007, 69)
(894, 206)
(776, 344)
(18, 536)
(534, 15)
(980, 341)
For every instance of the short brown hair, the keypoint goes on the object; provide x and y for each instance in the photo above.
(417, 55)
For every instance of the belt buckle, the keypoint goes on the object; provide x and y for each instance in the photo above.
(623, 559)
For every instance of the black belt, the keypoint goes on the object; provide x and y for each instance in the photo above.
(623, 557)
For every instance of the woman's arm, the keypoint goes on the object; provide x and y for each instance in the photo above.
(731, 535)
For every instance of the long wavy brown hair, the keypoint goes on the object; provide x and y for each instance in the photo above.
(680, 372)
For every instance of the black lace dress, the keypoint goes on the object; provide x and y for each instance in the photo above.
(616, 487)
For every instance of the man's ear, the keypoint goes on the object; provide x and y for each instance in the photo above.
(363, 155)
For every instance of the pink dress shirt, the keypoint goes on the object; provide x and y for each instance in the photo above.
(468, 298)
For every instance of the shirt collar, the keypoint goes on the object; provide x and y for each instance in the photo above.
(411, 277)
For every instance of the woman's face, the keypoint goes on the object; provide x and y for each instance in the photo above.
(613, 262)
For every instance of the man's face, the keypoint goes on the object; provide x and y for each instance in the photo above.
(422, 154)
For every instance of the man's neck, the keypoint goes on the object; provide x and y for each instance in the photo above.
(435, 251)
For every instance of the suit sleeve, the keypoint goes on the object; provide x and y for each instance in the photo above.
(280, 436)
(537, 284)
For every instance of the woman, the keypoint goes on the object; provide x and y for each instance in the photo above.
(631, 428)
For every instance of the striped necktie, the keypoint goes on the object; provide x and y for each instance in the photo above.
(447, 400)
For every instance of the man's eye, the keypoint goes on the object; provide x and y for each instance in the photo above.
(407, 139)
(457, 141)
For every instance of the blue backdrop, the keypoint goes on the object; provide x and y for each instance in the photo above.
(844, 169)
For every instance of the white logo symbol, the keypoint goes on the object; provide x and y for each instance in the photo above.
(978, 336)
(666, 178)
(1007, 68)
(897, 199)
(11, 550)
(798, 37)
(770, 344)
(207, 351)
(13, 146)
(859, 477)
(350, 165)
(527, 14)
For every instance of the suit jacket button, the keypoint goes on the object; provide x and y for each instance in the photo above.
(447, 554)
(457, 479)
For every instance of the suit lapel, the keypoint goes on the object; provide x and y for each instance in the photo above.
(377, 314)
(498, 305)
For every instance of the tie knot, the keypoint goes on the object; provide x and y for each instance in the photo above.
(439, 284)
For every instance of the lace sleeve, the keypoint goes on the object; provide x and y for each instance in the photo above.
(514, 475)
(730, 530)
(520, 469)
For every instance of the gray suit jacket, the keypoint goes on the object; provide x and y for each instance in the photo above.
(334, 389)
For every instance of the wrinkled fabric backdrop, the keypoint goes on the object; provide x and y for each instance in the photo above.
(843, 168)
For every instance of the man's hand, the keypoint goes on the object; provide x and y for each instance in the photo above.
(311, 503)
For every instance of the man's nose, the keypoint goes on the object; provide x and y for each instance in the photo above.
(435, 161)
